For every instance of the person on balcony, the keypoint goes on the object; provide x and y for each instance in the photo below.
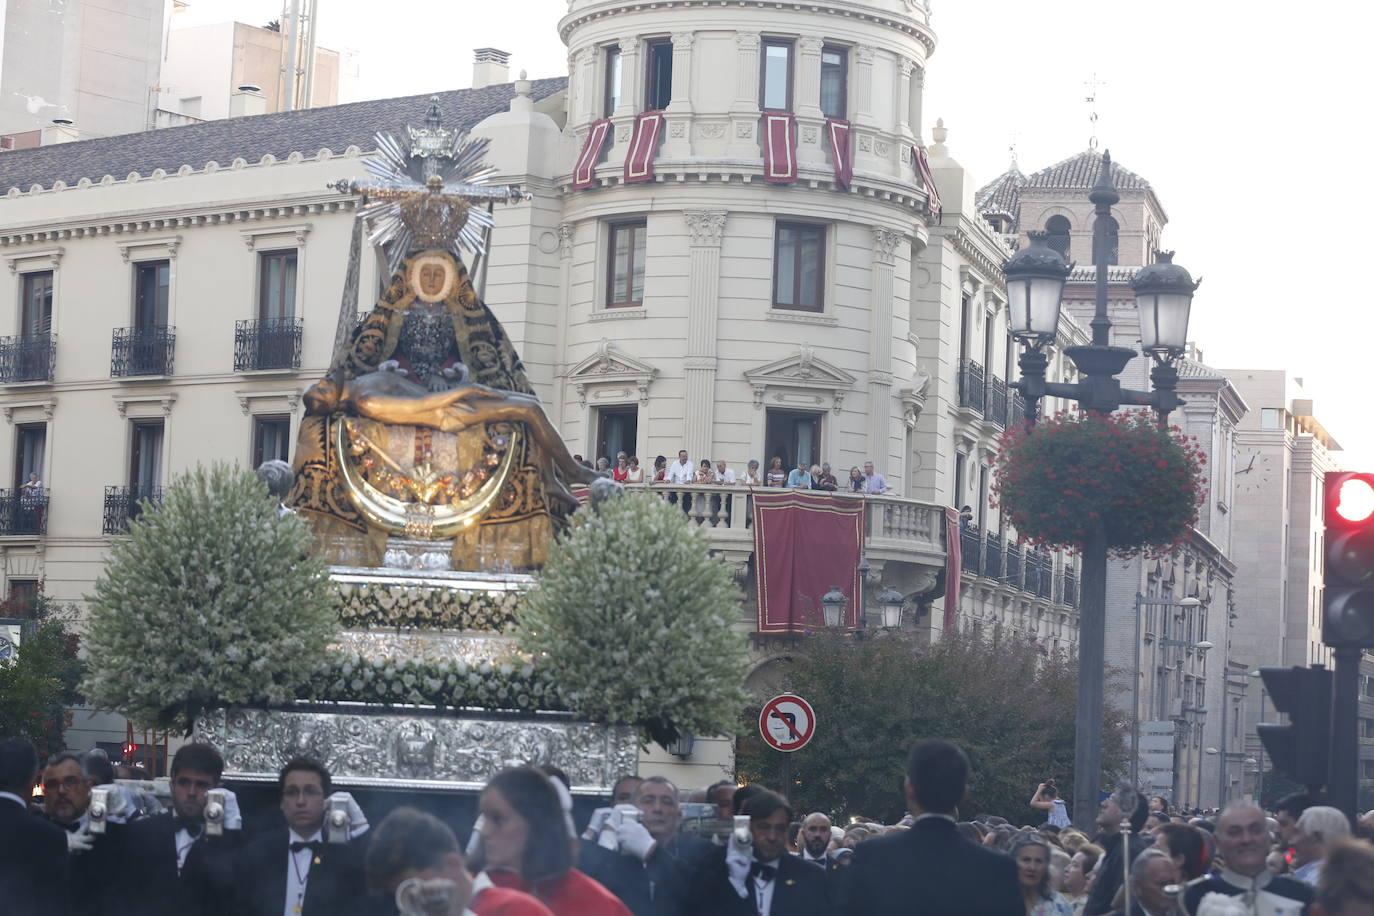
(680, 471)
(777, 477)
(751, 477)
(856, 480)
(724, 476)
(633, 472)
(800, 476)
(875, 484)
(660, 469)
(822, 479)
(705, 473)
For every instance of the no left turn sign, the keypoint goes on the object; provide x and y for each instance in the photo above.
(787, 722)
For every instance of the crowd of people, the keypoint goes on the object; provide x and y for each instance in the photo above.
(683, 472)
(95, 847)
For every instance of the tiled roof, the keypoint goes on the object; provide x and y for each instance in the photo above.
(1191, 368)
(1003, 194)
(1081, 172)
(336, 127)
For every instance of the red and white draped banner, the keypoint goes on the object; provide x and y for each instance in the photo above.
(639, 161)
(954, 566)
(841, 152)
(805, 543)
(584, 170)
(779, 147)
(921, 164)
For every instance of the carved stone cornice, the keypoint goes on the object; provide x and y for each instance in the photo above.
(143, 249)
(747, 41)
(608, 366)
(705, 227)
(810, 44)
(885, 242)
(299, 231)
(43, 258)
(683, 40)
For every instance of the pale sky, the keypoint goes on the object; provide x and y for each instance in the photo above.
(1249, 118)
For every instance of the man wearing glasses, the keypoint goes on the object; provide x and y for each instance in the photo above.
(294, 871)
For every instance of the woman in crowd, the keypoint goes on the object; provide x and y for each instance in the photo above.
(660, 469)
(1186, 846)
(777, 474)
(822, 479)
(856, 480)
(622, 468)
(751, 477)
(633, 472)
(704, 473)
(526, 844)
(604, 466)
(1031, 853)
(1078, 879)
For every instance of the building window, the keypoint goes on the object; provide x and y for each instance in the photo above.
(775, 82)
(659, 74)
(625, 266)
(794, 436)
(1367, 769)
(277, 284)
(271, 439)
(145, 457)
(36, 320)
(834, 82)
(152, 281)
(23, 595)
(611, 99)
(1058, 229)
(798, 267)
(617, 429)
(1112, 233)
(1271, 418)
(30, 442)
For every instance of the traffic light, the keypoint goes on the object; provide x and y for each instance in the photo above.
(1301, 749)
(1348, 597)
(130, 750)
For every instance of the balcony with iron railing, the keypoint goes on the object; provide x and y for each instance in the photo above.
(985, 555)
(267, 343)
(996, 411)
(29, 358)
(23, 513)
(972, 387)
(142, 351)
(123, 504)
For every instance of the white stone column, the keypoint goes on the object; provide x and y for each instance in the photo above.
(806, 103)
(918, 90)
(631, 94)
(705, 229)
(885, 243)
(902, 116)
(566, 233)
(744, 111)
(677, 117)
(866, 125)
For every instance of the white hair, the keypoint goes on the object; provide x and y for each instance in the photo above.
(1324, 823)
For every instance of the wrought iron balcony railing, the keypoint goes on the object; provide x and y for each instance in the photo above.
(972, 389)
(267, 343)
(142, 351)
(123, 504)
(997, 410)
(27, 359)
(994, 557)
(23, 512)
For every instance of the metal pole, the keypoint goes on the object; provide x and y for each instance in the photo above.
(787, 776)
(1343, 784)
(1103, 195)
(293, 37)
(1087, 762)
(1222, 784)
(307, 100)
(1135, 700)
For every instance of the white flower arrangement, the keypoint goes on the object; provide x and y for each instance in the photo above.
(636, 622)
(363, 605)
(212, 599)
(1217, 904)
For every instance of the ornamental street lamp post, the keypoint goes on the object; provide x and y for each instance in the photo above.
(1035, 278)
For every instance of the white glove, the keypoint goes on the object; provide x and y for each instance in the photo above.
(233, 820)
(357, 821)
(738, 859)
(595, 825)
(606, 839)
(79, 841)
(634, 839)
(119, 804)
(475, 838)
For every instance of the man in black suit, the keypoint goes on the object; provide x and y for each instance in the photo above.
(33, 852)
(172, 866)
(761, 879)
(291, 870)
(95, 858)
(930, 868)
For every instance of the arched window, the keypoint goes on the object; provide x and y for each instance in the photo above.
(1058, 229)
(1111, 252)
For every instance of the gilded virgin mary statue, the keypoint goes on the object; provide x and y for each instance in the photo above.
(425, 438)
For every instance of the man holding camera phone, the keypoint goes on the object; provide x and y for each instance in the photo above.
(307, 868)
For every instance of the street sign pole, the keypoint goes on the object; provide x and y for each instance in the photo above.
(787, 776)
(787, 724)
(1345, 723)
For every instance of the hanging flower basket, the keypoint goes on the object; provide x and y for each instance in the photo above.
(1144, 484)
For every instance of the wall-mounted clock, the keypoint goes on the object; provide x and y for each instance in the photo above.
(1253, 470)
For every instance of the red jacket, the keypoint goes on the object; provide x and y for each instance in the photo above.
(490, 900)
(570, 894)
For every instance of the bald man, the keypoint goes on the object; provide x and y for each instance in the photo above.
(815, 834)
(1243, 841)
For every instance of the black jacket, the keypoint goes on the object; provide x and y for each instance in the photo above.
(1111, 875)
(152, 886)
(336, 884)
(95, 874)
(33, 863)
(932, 870)
(800, 889)
(658, 887)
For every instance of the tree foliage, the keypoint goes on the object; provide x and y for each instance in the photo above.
(635, 622)
(1008, 707)
(41, 680)
(211, 599)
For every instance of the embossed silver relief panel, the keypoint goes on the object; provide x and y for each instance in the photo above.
(366, 745)
(427, 645)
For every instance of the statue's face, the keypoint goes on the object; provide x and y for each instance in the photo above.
(432, 277)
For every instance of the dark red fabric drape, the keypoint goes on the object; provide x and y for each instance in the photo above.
(639, 161)
(584, 170)
(841, 154)
(779, 147)
(804, 543)
(954, 565)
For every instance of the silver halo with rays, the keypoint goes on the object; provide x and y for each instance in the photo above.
(436, 172)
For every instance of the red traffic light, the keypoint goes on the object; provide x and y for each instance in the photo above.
(1354, 498)
(130, 750)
